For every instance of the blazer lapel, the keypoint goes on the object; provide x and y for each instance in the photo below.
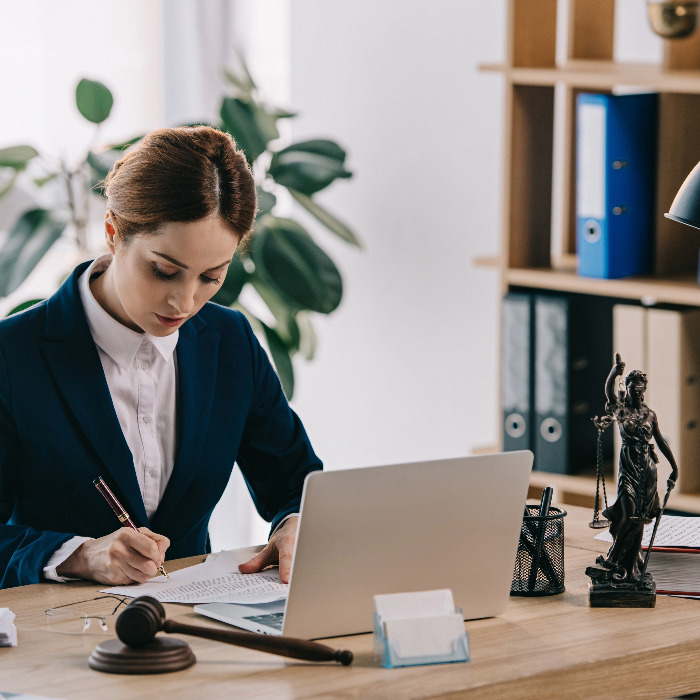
(73, 360)
(196, 371)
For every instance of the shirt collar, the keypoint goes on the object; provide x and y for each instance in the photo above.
(118, 341)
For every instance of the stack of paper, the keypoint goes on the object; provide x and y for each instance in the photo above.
(8, 631)
(217, 580)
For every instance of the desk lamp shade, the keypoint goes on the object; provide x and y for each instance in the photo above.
(686, 205)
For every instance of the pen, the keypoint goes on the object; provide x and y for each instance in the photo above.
(119, 511)
(545, 502)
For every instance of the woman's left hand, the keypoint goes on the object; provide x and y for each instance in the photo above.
(671, 483)
(279, 550)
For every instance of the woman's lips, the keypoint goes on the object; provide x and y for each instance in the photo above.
(170, 321)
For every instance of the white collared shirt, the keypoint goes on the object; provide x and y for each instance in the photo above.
(141, 375)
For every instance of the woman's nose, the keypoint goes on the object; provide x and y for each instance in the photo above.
(182, 299)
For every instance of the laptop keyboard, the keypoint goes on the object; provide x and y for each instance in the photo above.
(273, 620)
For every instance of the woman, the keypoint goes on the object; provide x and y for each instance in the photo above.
(637, 498)
(127, 372)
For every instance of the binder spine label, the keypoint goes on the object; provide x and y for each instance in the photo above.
(590, 185)
(516, 372)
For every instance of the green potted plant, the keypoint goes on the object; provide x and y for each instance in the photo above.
(285, 266)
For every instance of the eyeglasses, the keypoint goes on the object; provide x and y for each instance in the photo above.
(77, 618)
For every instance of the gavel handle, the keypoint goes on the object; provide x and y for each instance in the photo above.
(284, 646)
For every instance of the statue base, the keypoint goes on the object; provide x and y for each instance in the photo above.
(605, 592)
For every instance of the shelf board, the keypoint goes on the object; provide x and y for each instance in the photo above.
(603, 75)
(680, 289)
(487, 261)
(580, 491)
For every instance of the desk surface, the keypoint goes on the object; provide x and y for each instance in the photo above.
(540, 647)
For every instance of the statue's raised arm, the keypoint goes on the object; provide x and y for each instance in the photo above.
(617, 369)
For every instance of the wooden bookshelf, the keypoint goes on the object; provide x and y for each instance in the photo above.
(540, 100)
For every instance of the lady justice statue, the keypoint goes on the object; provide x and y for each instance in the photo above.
(619, 579)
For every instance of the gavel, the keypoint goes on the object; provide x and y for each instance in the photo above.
(144, 617)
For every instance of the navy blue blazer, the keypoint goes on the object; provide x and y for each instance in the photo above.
(59, 431)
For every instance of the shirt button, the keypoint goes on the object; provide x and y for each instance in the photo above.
(144, 365)
(153, 473)
(146, 419)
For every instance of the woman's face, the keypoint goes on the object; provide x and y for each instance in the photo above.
(156, 282)
(636, 390)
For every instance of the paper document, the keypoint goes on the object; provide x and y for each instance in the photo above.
(674, 531)
(8, 631)
(217, 580)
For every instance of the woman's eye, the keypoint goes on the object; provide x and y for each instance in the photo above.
(160, 274)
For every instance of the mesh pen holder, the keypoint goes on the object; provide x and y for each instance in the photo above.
(539, 564)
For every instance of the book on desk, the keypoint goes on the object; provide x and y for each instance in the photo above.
(674, 562)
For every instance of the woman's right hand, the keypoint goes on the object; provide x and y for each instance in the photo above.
(122, 557)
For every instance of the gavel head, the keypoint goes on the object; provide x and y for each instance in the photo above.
(141, 619)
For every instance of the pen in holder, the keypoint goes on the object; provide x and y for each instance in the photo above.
(539, 564)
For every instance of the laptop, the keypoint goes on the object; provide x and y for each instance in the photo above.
(450, 523)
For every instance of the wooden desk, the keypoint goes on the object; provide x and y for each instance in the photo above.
(540, 647)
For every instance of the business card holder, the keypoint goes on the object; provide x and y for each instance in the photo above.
(440, 639)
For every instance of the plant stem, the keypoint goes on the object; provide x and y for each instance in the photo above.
(78, 218)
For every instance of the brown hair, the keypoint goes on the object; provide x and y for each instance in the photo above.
(181, 174)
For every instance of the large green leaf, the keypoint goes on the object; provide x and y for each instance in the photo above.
(281, 113)
(322, 147)
(94, 100)
(299, 271)
(242, 121)
(307, 335)
(284, 315)
(267, 122)
(29, 240)
(326, 218)
(281, 360)
(266, 201)
(236, 277)
(17, 156)
(305, 171)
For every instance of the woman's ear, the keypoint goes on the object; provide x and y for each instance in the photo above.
(110, 231)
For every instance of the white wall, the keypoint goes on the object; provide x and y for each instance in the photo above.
(46, 47)
(407, 366)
